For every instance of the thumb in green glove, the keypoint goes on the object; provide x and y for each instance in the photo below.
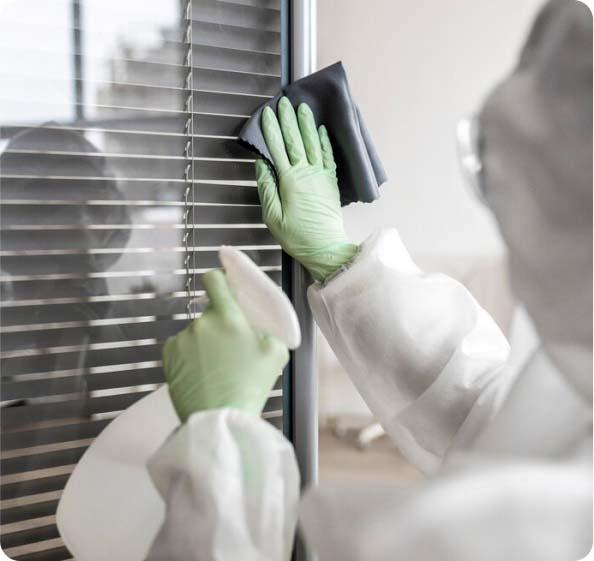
(304, 214)
(219, 360)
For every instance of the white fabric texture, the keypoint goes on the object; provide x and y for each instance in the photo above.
(510, 433)
(536, 133)
(437, 372)
(231, 485)
(418, 347)
(521, 511)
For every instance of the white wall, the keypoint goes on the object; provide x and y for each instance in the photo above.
(415, 68)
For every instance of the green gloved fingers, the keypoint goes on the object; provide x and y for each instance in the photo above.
(291, 132)
(219, 360)
(304, 214)
(269, 199)
(327, 153)
(311, 138)
(274, 140)
(220, 298)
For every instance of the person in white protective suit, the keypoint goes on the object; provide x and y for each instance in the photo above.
(502, 430)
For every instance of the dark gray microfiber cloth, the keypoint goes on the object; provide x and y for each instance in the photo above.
(360, 171)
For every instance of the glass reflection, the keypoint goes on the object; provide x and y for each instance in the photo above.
(92, 137)
(94, 151)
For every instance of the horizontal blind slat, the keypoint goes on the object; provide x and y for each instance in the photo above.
(71, 384)
(41, 461)
(52, 435)
(32, 286)
(99, 294)
(236, 36)
(146, 242)
(24, 415)
(161, 191)
(236, 60)
(22, 439)
(124, 104)
(161, 86)
(53, 354)
(93, 359)
(128, 264)
(71, 381)
(57, 219)
(22, 537)
(217, 34)
(151, 122)
(26, 163)
(53, 554)
(125, 168)
(227, 13)
(269, 4)
(27, 512)
(46, 141)
(264, 258)
(37, 311)
(29, 487)
(170, 48)
(82, 408)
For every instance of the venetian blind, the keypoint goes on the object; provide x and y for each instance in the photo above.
(120, 177)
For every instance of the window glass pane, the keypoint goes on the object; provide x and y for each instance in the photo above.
(120, 177)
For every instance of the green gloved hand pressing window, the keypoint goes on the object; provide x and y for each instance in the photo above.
(304, 214)
(219, 360)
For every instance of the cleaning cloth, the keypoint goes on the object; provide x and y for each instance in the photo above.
(359, 169)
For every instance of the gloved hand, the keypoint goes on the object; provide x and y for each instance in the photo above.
(219, 360)
(304, 215)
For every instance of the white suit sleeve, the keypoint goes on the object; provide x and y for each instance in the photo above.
(533, 511)
(230, 484)
(418, 347)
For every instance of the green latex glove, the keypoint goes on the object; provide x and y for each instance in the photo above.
(304, 214)
(219, 360)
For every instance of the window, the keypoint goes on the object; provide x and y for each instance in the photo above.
(120, 177)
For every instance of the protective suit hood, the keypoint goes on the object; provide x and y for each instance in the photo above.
(536, 140)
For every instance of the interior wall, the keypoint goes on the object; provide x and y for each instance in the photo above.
(415, 68)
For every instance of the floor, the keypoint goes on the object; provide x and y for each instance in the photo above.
(341, 458)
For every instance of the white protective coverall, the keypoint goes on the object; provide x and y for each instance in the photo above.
(438, 373)
(504, 431)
